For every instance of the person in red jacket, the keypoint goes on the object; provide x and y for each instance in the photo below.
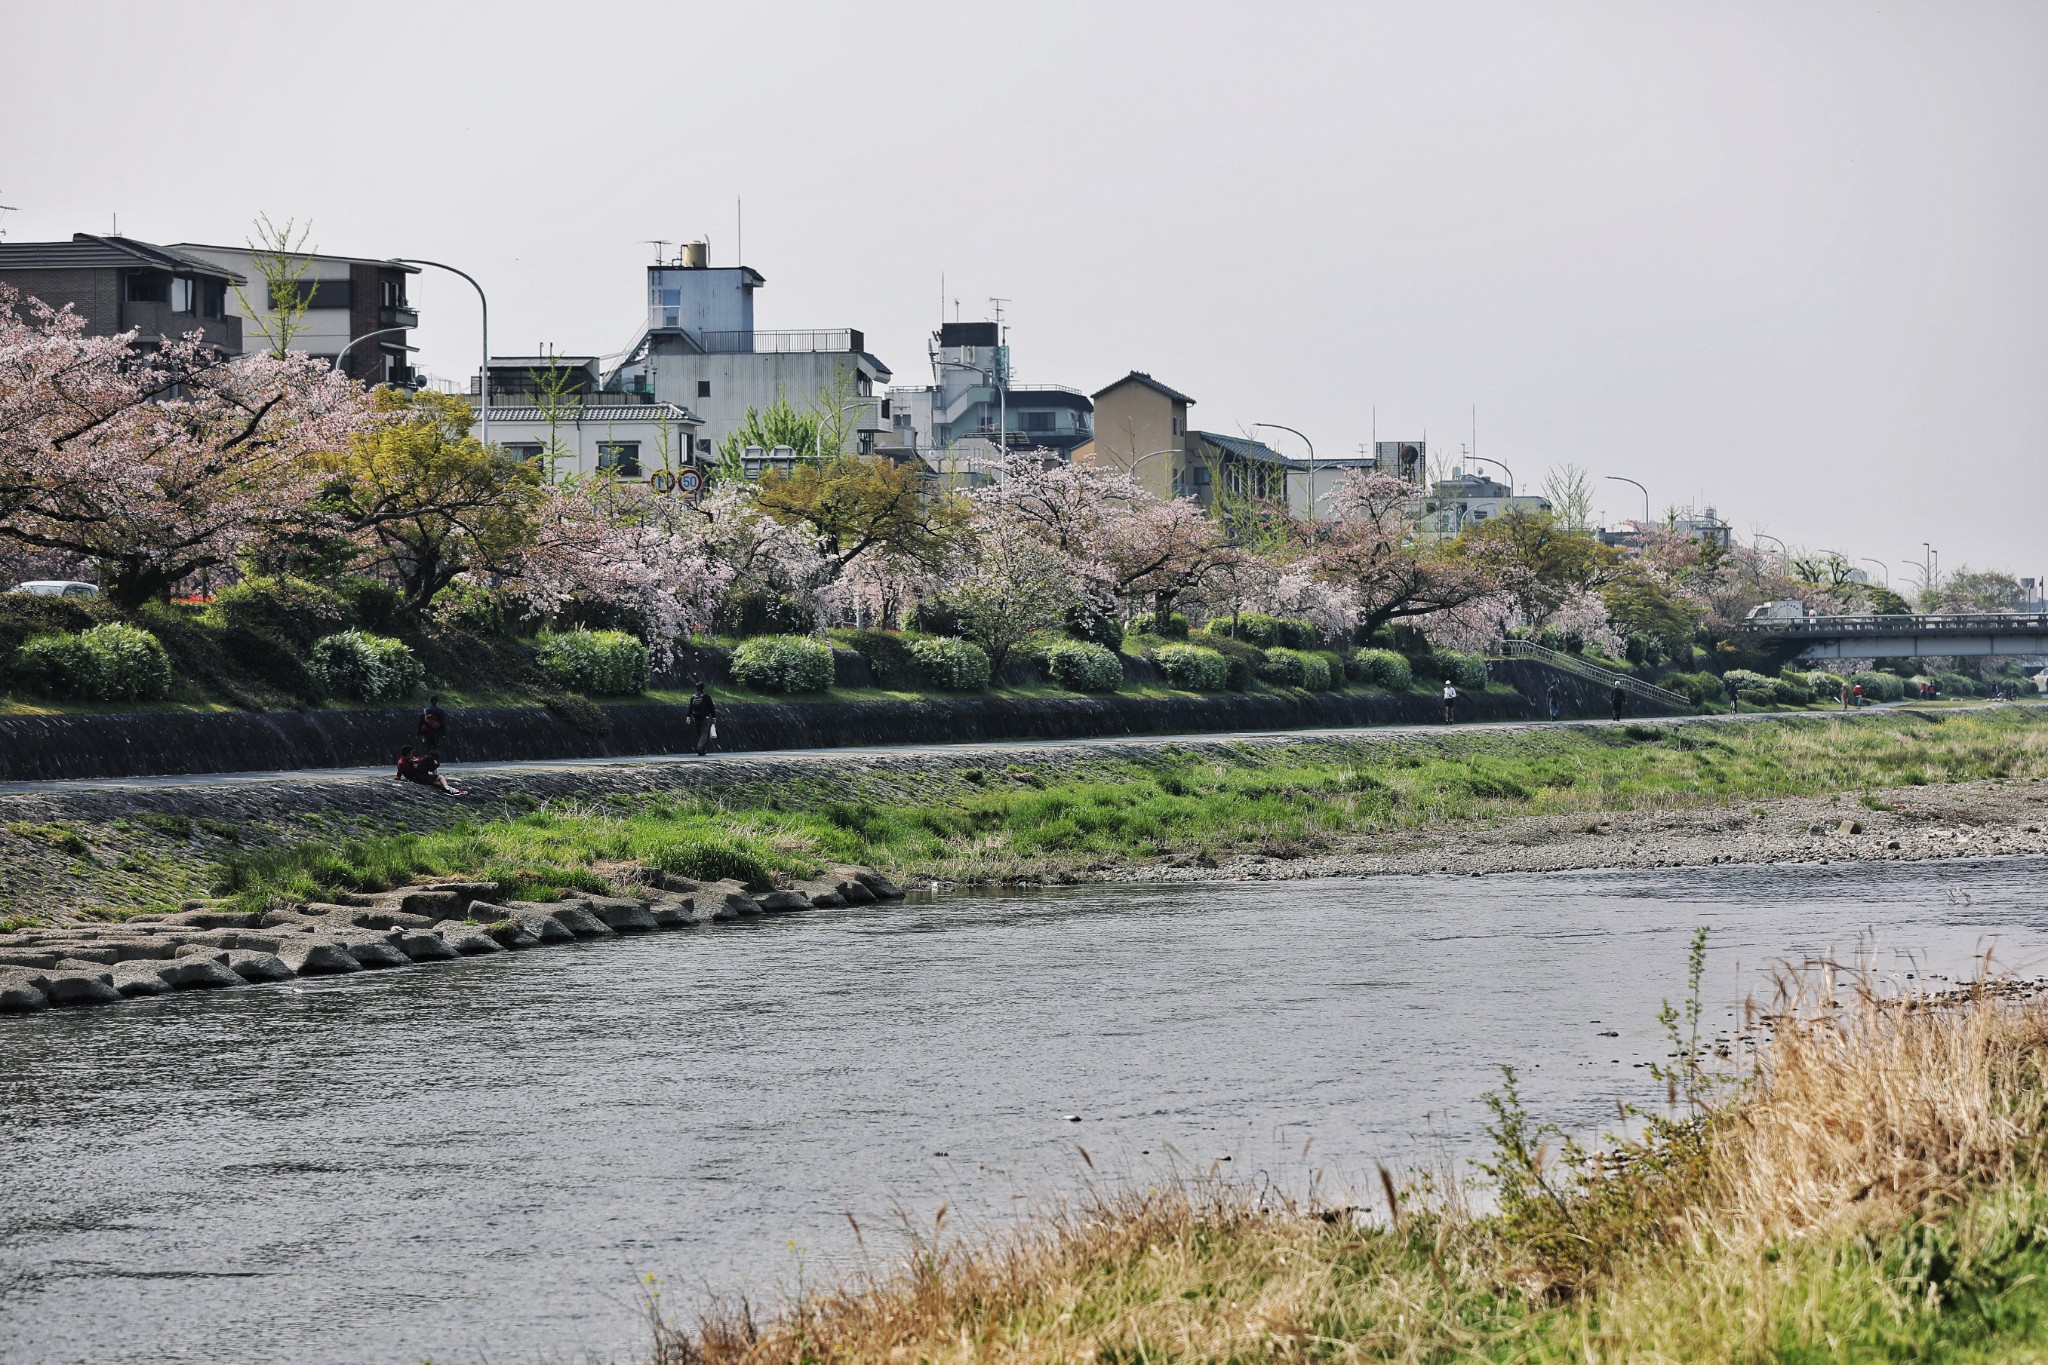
(424, 769)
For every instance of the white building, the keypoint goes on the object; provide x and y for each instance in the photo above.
(357, 304)
(971, 414)
(544, 403)
(1467, 500)
(700, 351)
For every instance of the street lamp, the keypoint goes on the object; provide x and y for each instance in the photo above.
(844, 408)
(1311, 463)
(1487, 459)
(1170, 450)
(1002, 409)
(484, 376)
(1646, 497)
(1882, 565)
(367, 336)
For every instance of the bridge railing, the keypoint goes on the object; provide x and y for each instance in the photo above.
(1607, 677)
(1965, 623)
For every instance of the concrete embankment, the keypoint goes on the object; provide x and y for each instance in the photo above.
(207, 948)
(134, 744)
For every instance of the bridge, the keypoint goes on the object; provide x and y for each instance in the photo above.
(1900, 637)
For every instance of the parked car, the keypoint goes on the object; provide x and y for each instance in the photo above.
(57, 587)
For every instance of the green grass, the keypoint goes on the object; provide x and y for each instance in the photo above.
(988, 820)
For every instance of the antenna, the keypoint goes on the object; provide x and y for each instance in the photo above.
(942, 298)
(739, 233)
(660, 256)
(997, 304)
(5, 208)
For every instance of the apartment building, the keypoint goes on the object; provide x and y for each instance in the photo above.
(118, 283)
(972, 414)
(356, 308)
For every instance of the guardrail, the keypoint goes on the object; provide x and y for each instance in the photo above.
(1572, 663)
(1963, 623)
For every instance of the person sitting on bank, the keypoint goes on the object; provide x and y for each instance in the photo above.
(703, 718)
(424, 769)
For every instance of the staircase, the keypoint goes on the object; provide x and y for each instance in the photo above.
(1606, 677)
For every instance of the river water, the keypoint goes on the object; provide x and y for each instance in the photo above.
(477, 1161)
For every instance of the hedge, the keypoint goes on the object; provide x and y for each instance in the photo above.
(783, 663)
(951, 665)
(1297, 668)
(1082, 667)
(602, 663)
(1193, 667)
(1268, 632)
(366, 667)
(1954, 685)
(107, 663)
(1880, 686)
(1175, 627)
(1381, 668)
(1697, 688)
(1462, 669)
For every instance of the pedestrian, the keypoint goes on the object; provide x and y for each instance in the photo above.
(1620, 700)
(424, 769)
(1933, 689)
(1450, 701)
(1556, 704)
(433, 725)
(1859, 694)
(703, 718)
(1846, 694)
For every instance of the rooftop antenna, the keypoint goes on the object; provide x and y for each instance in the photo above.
(997, 304)
(956, 310)
(739, 232)
(5, 208)
(942, 298)
(660, 256)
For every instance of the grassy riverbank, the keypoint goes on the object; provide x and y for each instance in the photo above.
(982, 820)
(1871, 1188)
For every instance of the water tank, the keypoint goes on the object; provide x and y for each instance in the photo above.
(696, 255)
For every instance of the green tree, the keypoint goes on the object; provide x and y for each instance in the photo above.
(280, 257)
(859, 505)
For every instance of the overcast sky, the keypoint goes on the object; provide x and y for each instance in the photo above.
(1787, 259)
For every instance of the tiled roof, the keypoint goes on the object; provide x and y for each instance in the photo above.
(1243, 448)
(619, 412)
(1140, 377)
(85, 251)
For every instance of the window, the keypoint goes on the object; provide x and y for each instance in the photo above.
(182, 295)
(703, 388)
(1176, 426)
(214, 299)
(704, 446)
(621, 457)
(1035, 421)
(394, 293)
(148, 286)
(525, 450)
(316, 293)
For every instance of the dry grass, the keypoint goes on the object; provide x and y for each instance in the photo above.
(1871, 1190)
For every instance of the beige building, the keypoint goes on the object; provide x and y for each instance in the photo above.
(1141, 427)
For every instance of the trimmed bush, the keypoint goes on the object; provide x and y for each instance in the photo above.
(1883, 686)
(1381, 668)
(107, 663)
(602, 663)
(1084, 622)
(951, 665)
(1081, 667)
(366, 667)
(1174, 627)
(783, 663)
(1467, 672)
(1758, 696)
(1791, 691)
(1269, 632)
(1738, 680)
(1697, 688)
(1193, 667)
(1334, 661)
(1243, 660)
(1952, 685)
(290, 610)
(1296, 668)
(467, 605)
(1824, 684)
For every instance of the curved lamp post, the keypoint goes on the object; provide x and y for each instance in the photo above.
(1487, 459)
(367, 336)
(483, 378)
(1276, 426)
(1646, 497)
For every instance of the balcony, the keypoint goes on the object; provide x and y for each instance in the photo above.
(817, 340)
(404, 315)
(153, 320)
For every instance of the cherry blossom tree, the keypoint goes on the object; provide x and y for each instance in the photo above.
(156, 463)
(1371, 548)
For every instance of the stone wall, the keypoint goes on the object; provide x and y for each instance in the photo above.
(1583, 698)
(153, 743)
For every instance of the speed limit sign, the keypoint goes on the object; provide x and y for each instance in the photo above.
(689, 481)
(662, 481)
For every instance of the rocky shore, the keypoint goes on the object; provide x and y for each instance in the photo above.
(1962, 820)
(207, 947)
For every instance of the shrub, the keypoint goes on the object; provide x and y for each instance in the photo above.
(289, 610)
(1082, 667)
(783, 663)
(1084, 622)
(1738, 680)
(366, 667)
(581, 712)
(1791, 691)
(468, 605)
(1269, 632)
(1242, 660)
(1381, 668)
(1174, 627)
(1697, 688)
(107, 663)
(1952, 685)
(1882, 686)
(751, 613)
(1467, 672)
(603, 663)
(1296, 668)
(1758, 696)
(373, 603)
(1824, 684)
(1193, 667)
(1334, 661)
(951, 665)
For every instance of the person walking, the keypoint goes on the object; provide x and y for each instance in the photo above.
(1847, 693)
(433, 725)
(703, 718)
(1620, 700)
(1450, 701)
(1556, 704)
(1859, 694)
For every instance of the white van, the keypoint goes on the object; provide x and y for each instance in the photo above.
(1778, 611)
(57, 587)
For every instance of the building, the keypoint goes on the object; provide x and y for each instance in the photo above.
(701, 351)
(971, 414)
(1704, 526)
(558, 402)
(117, 284)
(356, 308)
(1467, 500)
(1141, 428)
(1406, 460)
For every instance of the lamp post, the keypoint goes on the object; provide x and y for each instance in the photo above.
(1311, 463)
(1882, 565)
(1617, 478)
(367, 336)
(484, 375)
(1487, 459)
(844, 408)
(1170, 450)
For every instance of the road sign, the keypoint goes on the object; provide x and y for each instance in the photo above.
(662, 481)
(690, 481)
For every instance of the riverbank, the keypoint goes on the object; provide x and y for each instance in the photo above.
(1936, 783)
(1867, 1185)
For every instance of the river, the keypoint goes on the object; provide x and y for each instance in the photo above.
(478, 1160)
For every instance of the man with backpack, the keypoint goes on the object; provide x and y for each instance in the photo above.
(433, 725)
(703, 718)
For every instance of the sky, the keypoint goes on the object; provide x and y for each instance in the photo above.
(1784, 259)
